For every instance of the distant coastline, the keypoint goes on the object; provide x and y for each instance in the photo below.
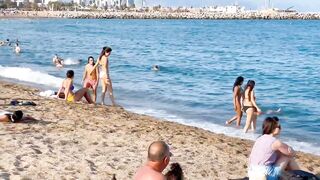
(159, 15)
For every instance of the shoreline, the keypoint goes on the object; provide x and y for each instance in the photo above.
(93, 141)
(261, 15)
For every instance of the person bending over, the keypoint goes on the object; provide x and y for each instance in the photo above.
(158, 159)
(67, 87)
(269, 156)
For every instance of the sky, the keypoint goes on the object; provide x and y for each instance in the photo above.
(300, 5)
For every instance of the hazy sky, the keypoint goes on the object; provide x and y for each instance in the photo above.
(300, 5)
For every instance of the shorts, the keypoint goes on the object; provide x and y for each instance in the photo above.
(70, 97)
(89, 83)
(271, 172)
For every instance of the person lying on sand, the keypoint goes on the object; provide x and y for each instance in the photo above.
(14, 117)
(158, 158)
(269, 156)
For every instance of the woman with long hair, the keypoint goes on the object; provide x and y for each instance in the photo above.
(237, 95)
(104, 74)
(269, 156)
(250, 106)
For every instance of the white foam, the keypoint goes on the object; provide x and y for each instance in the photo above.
(70, 61)
(29, 75)
(226, 130)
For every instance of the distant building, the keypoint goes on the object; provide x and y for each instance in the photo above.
(139, 3)
(227, 9)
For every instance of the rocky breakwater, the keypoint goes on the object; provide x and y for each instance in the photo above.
(161, 15)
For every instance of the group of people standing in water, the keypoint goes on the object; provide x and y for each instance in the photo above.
(244, 100)
(7, 42)
(90, 80)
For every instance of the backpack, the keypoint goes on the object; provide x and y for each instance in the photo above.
(298, 175)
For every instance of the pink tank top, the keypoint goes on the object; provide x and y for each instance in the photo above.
(262, 153)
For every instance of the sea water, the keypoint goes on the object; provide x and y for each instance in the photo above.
(199, 61)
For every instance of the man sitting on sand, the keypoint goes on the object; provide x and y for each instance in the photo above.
(158, 159)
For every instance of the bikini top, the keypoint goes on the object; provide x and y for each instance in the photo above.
(71, 88)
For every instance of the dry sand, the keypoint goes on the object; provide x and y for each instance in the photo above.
(80, 141)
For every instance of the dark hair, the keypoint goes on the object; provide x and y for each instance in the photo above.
(102, 52)
(237, 82)
(270, 124)
(175, 172)
(16, 116)
(90, 58)
(108, 49)
(250, 84)
(70, 74)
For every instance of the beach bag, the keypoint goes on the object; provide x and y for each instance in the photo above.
(298, 175)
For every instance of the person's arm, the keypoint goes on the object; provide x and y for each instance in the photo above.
(283, 148)
(97, 73)
(59, 91)
(235, 94)
(95, 66)
(253, 100)
(67, 89)
(107, 64)
(84, 74)
(4, 118)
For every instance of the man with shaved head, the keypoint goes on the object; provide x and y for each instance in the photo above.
(158, 159)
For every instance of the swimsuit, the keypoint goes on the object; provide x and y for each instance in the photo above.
(70, 97)
(103, 75)
(245, 108)
(90, 83)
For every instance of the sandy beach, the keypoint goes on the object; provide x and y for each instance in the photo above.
(80, 141)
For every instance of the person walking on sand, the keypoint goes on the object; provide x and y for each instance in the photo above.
(269, 156)
(237, 96)
(91, 81)
(104, 74)
(67, 87)
(250, 107)
(158, 158)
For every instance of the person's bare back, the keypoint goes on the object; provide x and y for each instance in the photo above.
(147, 173)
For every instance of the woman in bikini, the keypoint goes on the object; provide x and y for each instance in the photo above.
(91, 81)
(237, 95)
(250, 107)
(67, 87)
(104, 74)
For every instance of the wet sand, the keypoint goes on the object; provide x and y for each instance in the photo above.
(80, 141)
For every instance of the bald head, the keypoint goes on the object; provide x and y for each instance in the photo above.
(157, 151)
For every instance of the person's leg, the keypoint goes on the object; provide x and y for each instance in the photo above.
(239, 116)
(104, 88)
(82, 93)
(293, 165)
(110, 89)
(254, 122)
(249, 119)
(282, 162)
(231, 120)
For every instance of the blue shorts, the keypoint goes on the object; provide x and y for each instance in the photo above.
(273, 172)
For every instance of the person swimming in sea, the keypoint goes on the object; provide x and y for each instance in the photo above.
(155, 67)
(57, 61)
(17, 48)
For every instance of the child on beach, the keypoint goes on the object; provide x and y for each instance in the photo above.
(237, 96)
(67, 87)
(91, 81)
(104, 74)
(14, 117)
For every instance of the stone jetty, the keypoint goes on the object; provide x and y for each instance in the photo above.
(158, 15)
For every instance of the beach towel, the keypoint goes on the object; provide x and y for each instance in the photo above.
(22, 103)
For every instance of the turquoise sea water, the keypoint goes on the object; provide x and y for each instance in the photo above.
(199, 61)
